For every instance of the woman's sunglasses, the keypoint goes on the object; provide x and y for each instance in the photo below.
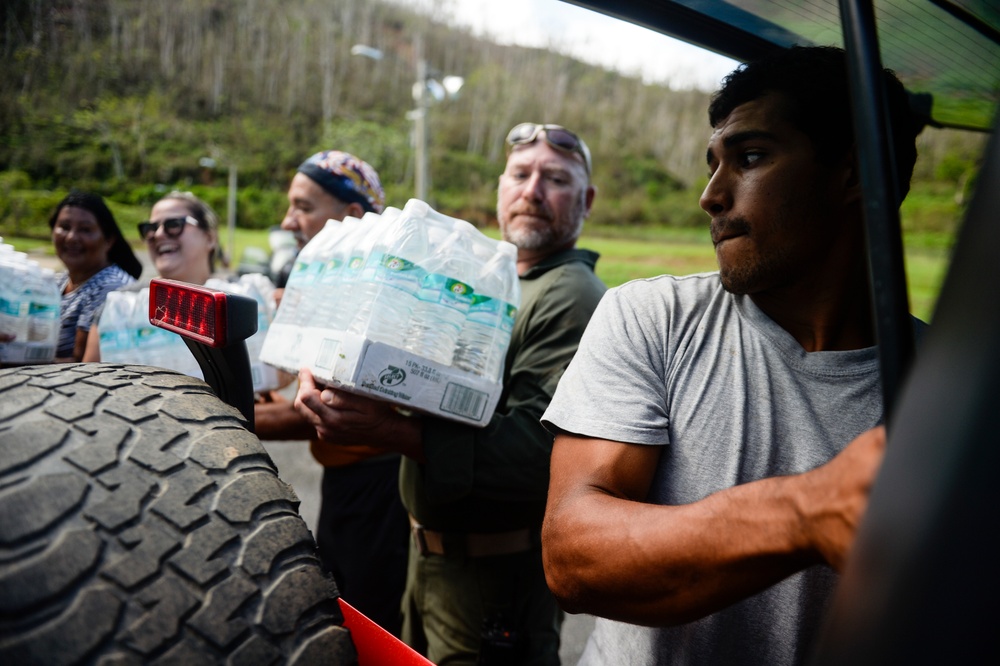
(556, 136)
(172, 227)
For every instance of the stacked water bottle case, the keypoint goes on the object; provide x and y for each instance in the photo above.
(29, 309)
(411, 306)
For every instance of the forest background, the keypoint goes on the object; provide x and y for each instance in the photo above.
(131, 99)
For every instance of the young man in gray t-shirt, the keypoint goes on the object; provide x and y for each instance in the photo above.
(717, 435)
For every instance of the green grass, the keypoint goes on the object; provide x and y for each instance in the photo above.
(639, 253)
(686, 251)
(628, 259)
(925, 272)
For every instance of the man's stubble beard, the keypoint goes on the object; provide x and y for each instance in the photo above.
(557, 233)
(754, 273)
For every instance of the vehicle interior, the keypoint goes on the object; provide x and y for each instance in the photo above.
(920, 582)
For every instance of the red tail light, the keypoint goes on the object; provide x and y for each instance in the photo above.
(208, 316)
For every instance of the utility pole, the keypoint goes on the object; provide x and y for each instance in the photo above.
(231, 212)
(420, 123)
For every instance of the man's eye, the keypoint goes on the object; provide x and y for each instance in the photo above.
(751, 157)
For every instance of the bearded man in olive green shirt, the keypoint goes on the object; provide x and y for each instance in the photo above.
(476, 496)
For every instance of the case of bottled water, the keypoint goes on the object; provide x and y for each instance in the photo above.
(29, 309)
(411, 306)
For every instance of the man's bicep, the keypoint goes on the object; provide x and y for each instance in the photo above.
(585, 464)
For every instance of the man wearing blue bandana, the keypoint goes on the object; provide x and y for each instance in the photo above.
(363, 531)
(330, 185)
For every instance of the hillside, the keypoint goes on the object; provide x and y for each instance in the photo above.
(127, 98)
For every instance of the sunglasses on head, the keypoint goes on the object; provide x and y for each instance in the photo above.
(172, 227)
(556, 136)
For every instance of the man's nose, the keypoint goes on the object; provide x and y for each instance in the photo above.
(717, 198)
(533, 188)
(289, 223)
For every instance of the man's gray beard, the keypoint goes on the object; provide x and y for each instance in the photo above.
(549, 236)
(529, 239)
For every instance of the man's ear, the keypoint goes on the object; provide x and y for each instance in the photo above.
(589, 200)
(851, 176)
(354, 209)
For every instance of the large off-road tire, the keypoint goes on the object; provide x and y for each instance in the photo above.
(140, 523)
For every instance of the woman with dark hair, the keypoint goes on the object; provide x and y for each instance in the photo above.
(98, 260)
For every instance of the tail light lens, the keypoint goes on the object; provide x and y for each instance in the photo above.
(208, 316)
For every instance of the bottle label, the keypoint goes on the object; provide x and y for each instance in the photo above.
(331, 271)
(114, 339)
(486, 310)
(312, 271)
(368, 267)
(304, 272)
(42, 318)
(452, 293)
(43, 310)
(10, 308)
(149, 337)
(400, 273)
(509, 314)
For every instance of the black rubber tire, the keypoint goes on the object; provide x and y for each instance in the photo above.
(140, 523)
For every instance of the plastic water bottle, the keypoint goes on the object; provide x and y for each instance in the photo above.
(443, 300)
(329, 292)
(151, 345)
(283, 345)
(43, 316)
(308, 265)
(13, 304)
(354, 292)
(512, 302)
(482, 344)
(318, 257)
(114, 326)
(391, 277)
(29, 309)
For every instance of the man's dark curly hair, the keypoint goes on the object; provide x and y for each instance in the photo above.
(814, 83)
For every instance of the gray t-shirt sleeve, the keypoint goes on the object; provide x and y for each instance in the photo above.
(614, 388)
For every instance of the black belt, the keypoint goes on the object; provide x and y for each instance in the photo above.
(471, 544)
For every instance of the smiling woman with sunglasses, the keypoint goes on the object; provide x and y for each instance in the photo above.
(172, 226)
(182, 239)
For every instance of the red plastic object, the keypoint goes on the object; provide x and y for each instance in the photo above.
(194, 312)
(375, 645)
